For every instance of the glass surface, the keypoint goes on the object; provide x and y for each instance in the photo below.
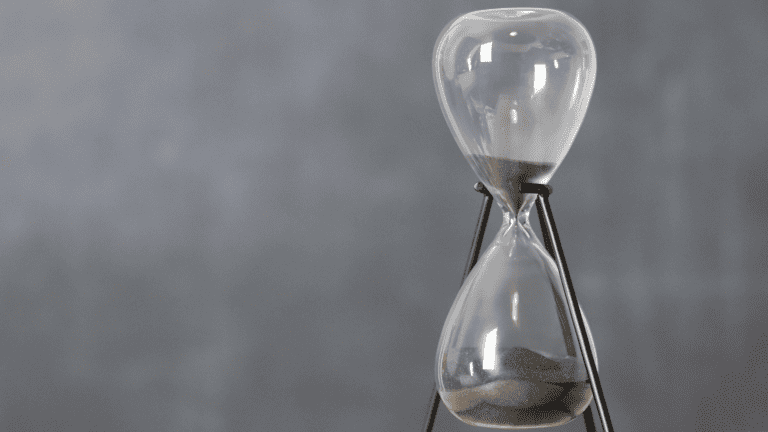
(514, 85)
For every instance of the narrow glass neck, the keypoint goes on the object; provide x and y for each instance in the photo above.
(522, 214)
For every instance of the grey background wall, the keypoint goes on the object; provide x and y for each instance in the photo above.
(251, 216)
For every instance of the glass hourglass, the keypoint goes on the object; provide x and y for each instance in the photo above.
(514, 85)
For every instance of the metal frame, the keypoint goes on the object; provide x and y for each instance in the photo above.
(549, 232)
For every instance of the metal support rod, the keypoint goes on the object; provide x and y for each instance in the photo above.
(589, 419)
(474, 253)
(550, 230)
(482, 222)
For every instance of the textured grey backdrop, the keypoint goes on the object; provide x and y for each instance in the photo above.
(238, 216)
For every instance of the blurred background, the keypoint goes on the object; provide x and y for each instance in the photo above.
(252, 216)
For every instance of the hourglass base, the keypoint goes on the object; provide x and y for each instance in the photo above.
(522, 403)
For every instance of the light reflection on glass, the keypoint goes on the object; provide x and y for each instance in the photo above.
(470, 57)
(485, 52)
(489, 350)
(576, 89)
(515, 303)
(539, 77)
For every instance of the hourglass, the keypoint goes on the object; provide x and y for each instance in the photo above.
(514, 85)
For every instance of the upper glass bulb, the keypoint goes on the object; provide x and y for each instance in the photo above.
(514, 85)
